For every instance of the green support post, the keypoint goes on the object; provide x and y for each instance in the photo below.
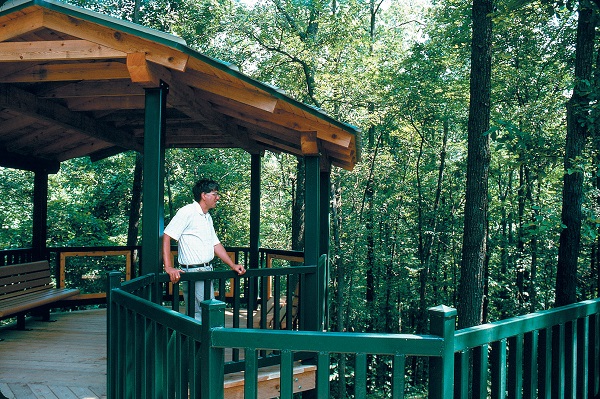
(325, 200)
(153, 188)
(442, 321)
(255, 192)
(255, 179)
(312, 309)
(213, 359)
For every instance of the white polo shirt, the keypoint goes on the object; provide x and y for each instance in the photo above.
(195, 235)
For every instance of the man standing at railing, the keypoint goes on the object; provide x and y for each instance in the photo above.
(192, 228)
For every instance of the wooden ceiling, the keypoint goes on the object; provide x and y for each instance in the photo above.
(72, 84)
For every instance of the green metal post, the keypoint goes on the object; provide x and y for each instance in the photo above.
(442, 321)
(255, 180)
(213, 359)
(325, 198)
(153, 189)
(312, 309)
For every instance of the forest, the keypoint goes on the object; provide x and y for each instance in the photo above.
(478, 180)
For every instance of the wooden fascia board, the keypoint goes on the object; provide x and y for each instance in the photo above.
(283, 119)
(56, 50)
(226, 89)
(116, 39)
(28, 104)
(325, 131)
(68, 72)
(246, 113)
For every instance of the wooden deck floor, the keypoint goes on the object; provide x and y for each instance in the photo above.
(65, 359)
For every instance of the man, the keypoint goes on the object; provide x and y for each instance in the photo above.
(192, 228)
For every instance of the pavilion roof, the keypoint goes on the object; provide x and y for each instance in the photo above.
(72, 84)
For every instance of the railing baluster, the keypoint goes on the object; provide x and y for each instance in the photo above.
(250, 374)
(498, 366)
(360, 375)
(594, 357)
(322, 377)
(515, 367)
(570, 355)
(398, 365)
(461, 374)
(558, 360)
(545, 364)
(581, 373)
(286, 375)
(530, 366)
(160, 361)
(480, 371)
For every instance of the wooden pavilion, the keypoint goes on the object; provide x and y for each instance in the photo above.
(76, 83)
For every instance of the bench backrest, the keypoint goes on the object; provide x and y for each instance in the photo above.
(24, 277)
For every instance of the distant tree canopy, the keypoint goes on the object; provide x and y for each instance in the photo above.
(399, 71)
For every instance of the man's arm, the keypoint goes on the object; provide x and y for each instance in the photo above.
(173, 273)
(221, 252)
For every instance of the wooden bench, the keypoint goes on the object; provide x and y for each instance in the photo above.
(28, 286)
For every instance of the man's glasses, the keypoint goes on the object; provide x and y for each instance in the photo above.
(214, 193)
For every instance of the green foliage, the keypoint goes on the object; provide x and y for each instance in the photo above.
(16, 208)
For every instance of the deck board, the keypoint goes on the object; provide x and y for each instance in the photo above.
(65, 359)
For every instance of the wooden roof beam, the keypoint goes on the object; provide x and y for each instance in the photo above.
(213, 84)
(309, 144)
(116, 39)
(19, 26)
(56, 50)
(68, 72)
(185, 98)
(28, 104)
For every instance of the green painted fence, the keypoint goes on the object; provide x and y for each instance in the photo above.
(156, 352)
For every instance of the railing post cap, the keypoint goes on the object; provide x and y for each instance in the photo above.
(212, 304)
(442, 311)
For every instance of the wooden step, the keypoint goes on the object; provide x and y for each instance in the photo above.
(268, 381)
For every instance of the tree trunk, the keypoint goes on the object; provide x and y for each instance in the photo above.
(470, 301)
(298, 207)
(577, 131)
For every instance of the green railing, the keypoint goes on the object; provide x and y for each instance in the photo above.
(154, 351)
(138, 326)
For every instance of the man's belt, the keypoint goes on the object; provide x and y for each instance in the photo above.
(195, 266)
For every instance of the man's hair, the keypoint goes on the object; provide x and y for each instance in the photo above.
(204, 186)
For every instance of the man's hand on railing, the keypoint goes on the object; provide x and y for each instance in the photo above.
(174, 274)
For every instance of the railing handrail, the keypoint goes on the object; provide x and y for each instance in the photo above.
(495, 331)
(334, 342)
